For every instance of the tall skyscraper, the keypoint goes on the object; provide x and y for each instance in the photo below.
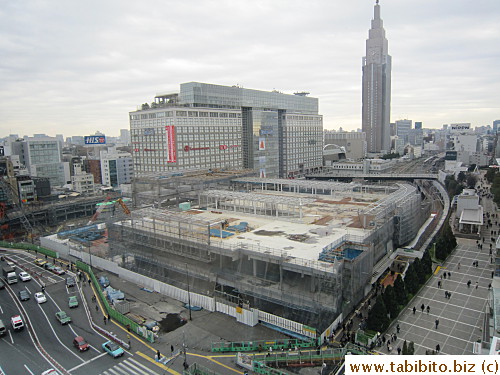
(377, 88)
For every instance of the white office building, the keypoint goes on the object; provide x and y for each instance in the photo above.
(116, 168)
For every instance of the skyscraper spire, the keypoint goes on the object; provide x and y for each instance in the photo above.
(377, 87)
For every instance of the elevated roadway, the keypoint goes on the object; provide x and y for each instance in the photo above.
(372, 176)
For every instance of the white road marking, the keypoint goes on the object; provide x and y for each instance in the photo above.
(138, 366)
(11, 338)
(28, 290)
(112, 372)
(57, 337)
(1, 311)
(27, 368)
(86, 362)
(126, 368)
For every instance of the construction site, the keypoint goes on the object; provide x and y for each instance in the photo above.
(301, 250)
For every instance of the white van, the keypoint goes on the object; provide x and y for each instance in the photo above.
(12, 264)
(17, 322)
(3, 330)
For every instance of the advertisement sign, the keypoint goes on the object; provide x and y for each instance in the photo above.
(171, 144)
(262, 173)
(2, 152)
(460, 127)
(451, 155)
(149, 131)
(95, 140)
(262, 144)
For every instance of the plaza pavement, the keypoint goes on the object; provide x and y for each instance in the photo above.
(460, 316)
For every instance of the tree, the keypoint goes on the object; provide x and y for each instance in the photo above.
(427, 263)
(419, 271)
(471, 181)
(471, 168)
(405, 348)
(461, 177)
(400, 292)
(411, 280)
(411, 348)
(452, 186)
(378, 320)
(490, 174)
(390, 301)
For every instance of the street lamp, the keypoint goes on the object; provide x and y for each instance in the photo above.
(189, 295)
(90, 255)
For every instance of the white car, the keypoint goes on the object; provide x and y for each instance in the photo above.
(24, 276)
(40, 297)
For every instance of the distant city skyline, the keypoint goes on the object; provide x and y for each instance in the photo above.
(74, 68)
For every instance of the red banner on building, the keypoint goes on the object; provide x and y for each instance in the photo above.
(171, 144)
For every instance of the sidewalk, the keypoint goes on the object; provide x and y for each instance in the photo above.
(197, 334)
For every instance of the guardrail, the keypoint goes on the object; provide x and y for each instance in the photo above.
(112, 313)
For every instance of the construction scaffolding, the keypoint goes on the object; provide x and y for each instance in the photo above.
(300, 250)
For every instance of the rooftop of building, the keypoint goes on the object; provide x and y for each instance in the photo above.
(280, 220)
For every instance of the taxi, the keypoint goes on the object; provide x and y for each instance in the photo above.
(40, 262)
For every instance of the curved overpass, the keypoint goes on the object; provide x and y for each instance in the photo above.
(373, 176)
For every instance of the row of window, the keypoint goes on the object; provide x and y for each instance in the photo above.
(144, 116)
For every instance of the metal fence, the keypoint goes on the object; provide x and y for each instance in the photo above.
(30, 247)
(117, 316)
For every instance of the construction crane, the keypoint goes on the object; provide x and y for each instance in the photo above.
(13, 197)
(126, 210)
(107, 204)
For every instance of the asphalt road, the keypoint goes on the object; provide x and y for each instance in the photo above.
(20, 355)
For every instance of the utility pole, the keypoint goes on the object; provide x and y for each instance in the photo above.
(189, 297)
(90, 255)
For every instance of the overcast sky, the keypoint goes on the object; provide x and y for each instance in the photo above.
(74, 67)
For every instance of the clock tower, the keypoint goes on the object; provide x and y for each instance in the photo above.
(377, 88)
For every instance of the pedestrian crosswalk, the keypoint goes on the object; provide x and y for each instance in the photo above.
(129, 367)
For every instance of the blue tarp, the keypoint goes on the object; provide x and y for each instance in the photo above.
(114, 295)
(103, 280)
(219, 233)
(241, 227)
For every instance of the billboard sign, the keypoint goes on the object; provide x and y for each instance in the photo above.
(2, 152)
(171, 144)
(460, 127)
(95, 140)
